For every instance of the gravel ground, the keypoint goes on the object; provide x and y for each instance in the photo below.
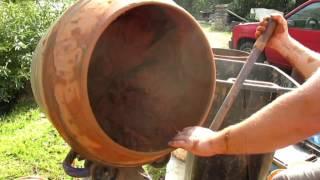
(217, 39)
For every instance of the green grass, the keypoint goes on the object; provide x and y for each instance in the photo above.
(156, 173)
(217, 39)
(211, 27)
(29, 145)
(204, 24)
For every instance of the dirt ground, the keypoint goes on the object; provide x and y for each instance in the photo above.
(217, 39)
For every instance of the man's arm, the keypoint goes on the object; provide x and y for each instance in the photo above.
(302, 58)
(289, 119)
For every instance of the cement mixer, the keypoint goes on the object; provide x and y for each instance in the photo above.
(118, 79)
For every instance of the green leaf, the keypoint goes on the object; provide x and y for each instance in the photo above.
(22, 24)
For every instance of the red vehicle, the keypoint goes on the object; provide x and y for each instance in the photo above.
(304, 26)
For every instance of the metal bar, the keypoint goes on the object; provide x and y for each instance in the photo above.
(236, 15)
(280, 163)
(73, 171)
(246, 69)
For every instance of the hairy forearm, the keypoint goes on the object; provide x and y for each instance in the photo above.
(289, 119)
(303, 59)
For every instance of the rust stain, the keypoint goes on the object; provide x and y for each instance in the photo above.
(44, 42)
(76, 32)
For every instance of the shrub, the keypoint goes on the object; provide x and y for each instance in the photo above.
(195, 6)
(242, 7)
(21, 26)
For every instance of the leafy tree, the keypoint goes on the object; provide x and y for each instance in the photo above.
(242, 7)
(22, 24)
(195, 6)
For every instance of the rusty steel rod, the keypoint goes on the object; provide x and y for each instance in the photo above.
(245, 71)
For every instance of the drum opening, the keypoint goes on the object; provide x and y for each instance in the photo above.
(150, 75)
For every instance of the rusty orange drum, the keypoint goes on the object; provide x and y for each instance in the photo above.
(118, 79)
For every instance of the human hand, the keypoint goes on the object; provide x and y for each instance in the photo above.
(199, 141)
(280, 35)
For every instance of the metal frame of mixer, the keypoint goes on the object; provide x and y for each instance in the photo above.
(95, 171)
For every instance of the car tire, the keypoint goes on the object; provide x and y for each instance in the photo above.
(247, 47)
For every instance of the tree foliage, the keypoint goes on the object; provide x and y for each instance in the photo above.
(242, 7)
(195, 6)
(21, 26)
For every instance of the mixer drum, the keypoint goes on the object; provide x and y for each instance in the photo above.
(118, 79)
